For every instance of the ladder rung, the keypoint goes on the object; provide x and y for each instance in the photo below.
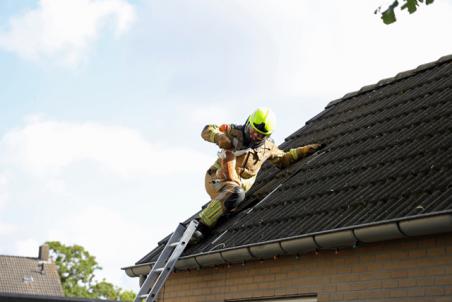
(144, 296)
(159, 270)
(177, 243)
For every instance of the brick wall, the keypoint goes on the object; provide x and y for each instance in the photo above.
(416, 269)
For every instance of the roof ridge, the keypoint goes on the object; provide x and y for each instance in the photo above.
(390, 80)
(21, 257)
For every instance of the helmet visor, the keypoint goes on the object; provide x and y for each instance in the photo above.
(260, 128)
(256, 136)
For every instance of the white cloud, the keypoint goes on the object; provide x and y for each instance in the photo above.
(27, 247)
(46, 148)
(7, 229)
(105, 233)
(286, 49)
(210, 113)
(64, 29)
(95, 185)
(328, 50)
(4, 189)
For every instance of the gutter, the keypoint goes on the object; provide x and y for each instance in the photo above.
(348, 237)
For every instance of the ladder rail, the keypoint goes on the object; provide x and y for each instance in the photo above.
(161, 260)
(166, 262)
(171, 263)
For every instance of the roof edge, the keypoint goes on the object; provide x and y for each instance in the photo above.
(419, 225)
(18, 297)
(20, 257)
(390, 80)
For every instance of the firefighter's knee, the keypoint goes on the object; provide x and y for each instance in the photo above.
(234, 199)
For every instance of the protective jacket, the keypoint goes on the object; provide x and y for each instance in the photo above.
(248, 160)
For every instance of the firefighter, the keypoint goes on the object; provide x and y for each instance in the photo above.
(244, 148)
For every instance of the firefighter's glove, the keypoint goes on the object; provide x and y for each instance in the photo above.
(306, 150)
(223, 141)
(313, 148)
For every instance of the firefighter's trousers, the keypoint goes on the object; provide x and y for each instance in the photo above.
(225, 197)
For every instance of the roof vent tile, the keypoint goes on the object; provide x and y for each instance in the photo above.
(27, 279)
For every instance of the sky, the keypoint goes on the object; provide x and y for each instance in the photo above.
(103, 102)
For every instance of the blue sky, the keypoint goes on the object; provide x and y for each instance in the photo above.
(103, 102)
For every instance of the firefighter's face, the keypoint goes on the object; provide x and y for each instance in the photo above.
(255, 136)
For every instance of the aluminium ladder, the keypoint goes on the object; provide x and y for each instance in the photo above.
(165, 263)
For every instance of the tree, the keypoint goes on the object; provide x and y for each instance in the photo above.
(388, 15)
(76, 268)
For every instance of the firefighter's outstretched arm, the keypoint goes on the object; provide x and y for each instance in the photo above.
(283, 159)
(218, 135)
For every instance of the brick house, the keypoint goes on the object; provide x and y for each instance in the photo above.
(368, 218)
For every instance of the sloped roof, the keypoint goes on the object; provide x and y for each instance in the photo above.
(40, 298)
(388, 156)
(27, 275)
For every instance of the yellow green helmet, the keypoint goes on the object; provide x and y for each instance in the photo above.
(263, 120)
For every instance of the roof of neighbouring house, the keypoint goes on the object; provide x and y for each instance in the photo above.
(8, 297)
(388, 156)
(27, 275)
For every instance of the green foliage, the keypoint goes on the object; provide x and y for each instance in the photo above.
(127, 295)
(106, 290)
(411, 5)
(76, 268)
(388, 16)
